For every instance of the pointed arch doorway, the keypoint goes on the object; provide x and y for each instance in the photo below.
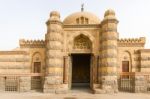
(81, 63)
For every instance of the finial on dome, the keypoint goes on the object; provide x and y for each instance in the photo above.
(82, 7)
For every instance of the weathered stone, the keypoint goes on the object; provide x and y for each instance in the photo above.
(81, 33)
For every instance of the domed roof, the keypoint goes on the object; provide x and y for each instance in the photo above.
(72, 19)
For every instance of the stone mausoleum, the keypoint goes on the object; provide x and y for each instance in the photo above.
(80, 51)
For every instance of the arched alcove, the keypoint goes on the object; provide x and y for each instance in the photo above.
(82, 42)
(36, 63)
(126, 62)
(36, 81)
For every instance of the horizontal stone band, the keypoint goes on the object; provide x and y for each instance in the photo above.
(109, 30)
(109, 64)
(109, 47)
(14, 59)
(108, 55)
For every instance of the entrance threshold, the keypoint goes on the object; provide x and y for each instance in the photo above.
(81, 85)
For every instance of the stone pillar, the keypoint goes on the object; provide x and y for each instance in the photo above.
(109, 52)
(54, 56)
(24, 84)
(65, 72)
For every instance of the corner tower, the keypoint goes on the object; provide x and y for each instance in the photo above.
(54, 57)
(109, 52)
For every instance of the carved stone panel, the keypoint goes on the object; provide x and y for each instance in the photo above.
(82, 42)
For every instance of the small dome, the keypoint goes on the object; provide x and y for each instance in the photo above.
(54, 16)
(55, 13)
(109, 12)
(72, 19)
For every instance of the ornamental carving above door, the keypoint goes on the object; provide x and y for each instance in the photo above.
(82, 42)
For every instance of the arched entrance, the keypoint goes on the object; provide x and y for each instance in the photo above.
(80, 63)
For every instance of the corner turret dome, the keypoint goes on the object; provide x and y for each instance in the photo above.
(109, 12)
(81, 18)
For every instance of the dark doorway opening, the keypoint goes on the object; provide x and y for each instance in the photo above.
(81, 70)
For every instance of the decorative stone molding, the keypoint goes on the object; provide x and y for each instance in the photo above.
(132, 42)
(14, 59)
(53, 22)
(14, 53)
(32, 43)
(83, 26)
(82, 42)
(76, 34)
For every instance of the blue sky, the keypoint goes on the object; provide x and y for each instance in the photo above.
(26, 18)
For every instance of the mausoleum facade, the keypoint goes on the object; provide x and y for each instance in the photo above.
(81, 50)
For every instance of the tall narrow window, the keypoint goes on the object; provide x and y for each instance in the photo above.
(86, 21)
(82, 20)
(77, 20)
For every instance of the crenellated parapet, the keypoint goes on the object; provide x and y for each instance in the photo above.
(32, 43)
(131, 42)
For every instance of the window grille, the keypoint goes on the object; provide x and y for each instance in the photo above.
(11, 83)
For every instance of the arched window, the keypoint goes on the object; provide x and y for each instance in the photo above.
(126, 62)
(82, 20)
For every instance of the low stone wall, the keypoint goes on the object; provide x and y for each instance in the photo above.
(25, 84)
(2, 84)
(134, 82)
(140, 84)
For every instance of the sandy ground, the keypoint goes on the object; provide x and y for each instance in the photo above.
(76, 94)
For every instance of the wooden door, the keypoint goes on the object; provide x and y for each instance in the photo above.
(37, 67)
(125, 66)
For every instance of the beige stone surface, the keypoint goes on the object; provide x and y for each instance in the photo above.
(74, 95)
(79, 33)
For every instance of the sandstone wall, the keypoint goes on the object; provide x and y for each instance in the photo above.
(128, 50)
(145, 60)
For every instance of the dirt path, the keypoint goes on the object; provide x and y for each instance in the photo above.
(77, 95)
